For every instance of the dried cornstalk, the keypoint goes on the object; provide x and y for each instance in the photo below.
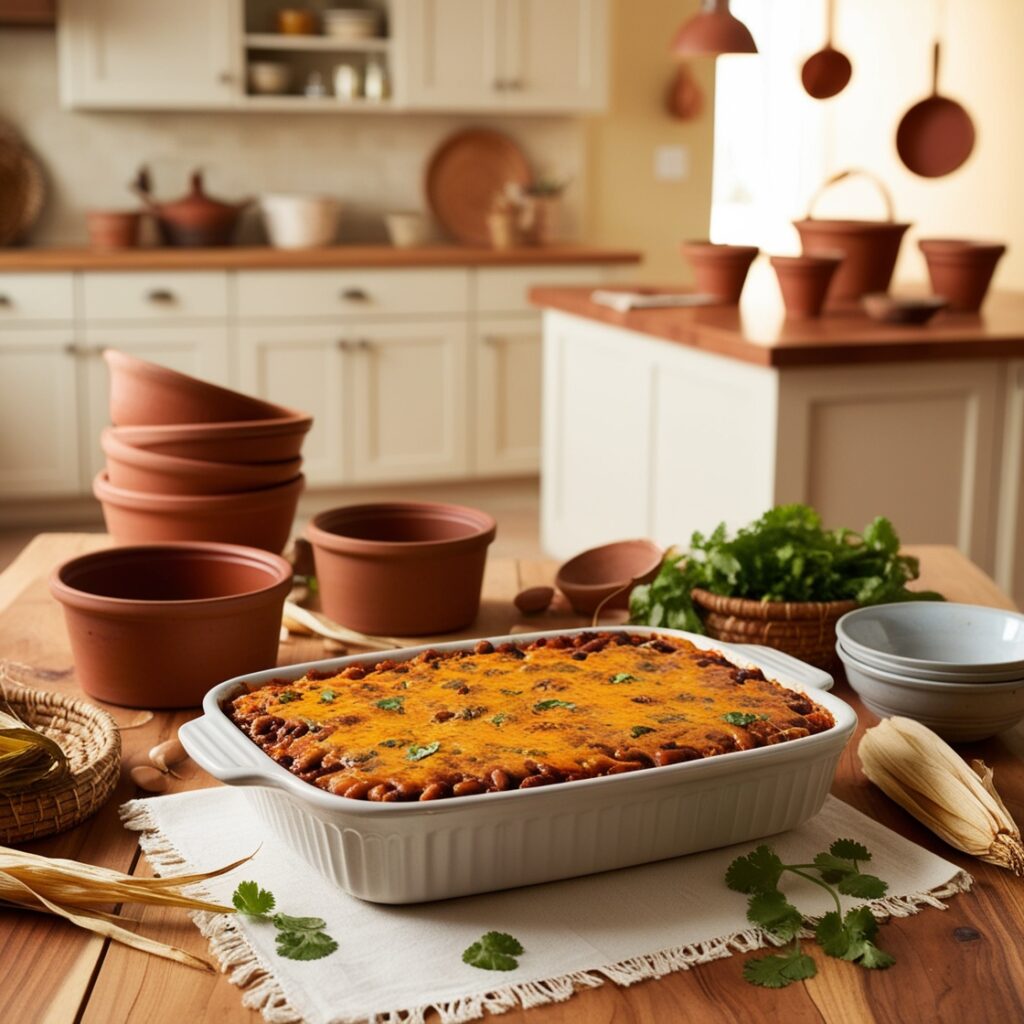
(74, 891)
(929, 780)
(27, 757)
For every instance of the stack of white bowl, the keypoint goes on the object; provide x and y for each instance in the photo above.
(957, 668)
(350, 23)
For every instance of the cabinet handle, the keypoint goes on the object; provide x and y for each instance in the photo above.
(343, 345)
(500, 85)
(225, 78)
(161, 296)
(354, 295)
(72, 349)
(514, 83)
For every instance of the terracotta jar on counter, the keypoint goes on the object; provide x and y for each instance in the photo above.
(720, 270)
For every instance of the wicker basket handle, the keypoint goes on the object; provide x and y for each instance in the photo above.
(854, 172)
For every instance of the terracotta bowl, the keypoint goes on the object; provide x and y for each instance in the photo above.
(593, 575)
(894, 309)
(961, 270)
(261, 519)
(138, 469)
(157, 626)
(403, 568)
(720, 270)
(804, 282)
(256, 441)
(145, 394)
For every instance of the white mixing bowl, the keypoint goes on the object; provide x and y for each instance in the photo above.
(300, 222)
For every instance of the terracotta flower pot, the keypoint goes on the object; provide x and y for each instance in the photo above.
(138, 469)
(260, 519)
(596, 574)
(403, 568)
(252, 442)
(158, 626)
(961, 271)
(113, 229)
(720, 270)
(804, 282)
(145, 394)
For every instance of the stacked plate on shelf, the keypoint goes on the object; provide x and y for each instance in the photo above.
(957, 668)
(188, 460)
(350, 23)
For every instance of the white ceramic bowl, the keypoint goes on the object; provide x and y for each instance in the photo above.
(407, 230)
(936, 635)
(873, 660)
(269, 77)
(959, 712)
(300, 222)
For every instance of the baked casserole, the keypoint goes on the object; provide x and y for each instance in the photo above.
(518, 715)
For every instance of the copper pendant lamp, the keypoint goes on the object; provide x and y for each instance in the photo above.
(713, 31)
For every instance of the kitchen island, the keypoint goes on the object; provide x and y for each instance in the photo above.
(661, 422)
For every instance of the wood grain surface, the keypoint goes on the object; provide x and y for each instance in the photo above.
(760, 334)
(963, 966)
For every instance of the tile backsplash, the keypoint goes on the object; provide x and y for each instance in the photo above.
(374, 163)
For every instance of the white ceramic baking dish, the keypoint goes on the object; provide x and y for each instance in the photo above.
(414, 852)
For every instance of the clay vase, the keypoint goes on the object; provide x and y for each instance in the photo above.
(961, 271)
(804, 282)
(720, 270)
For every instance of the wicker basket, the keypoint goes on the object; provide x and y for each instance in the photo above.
(92, 743)
(804, 629)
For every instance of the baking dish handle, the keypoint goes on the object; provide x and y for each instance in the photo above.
(207, 748)
(788, 667)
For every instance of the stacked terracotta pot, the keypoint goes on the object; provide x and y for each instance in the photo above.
(187, 460)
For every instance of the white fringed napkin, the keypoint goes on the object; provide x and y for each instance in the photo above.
(394, 964)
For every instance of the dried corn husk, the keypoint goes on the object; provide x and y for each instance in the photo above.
(929, 780)
(27, 757)
(74, 891)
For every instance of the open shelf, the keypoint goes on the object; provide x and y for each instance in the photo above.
(321, 44)
(315, 104)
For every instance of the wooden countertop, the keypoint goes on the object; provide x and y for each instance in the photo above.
(761, 334)
(264, 257)
(949, 965)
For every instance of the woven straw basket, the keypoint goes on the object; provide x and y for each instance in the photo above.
(804, 629)
(92, 743)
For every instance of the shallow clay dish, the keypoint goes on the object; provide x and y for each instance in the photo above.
(261, 519)
(892, 309)
(720, 270)
(139, 469)
(403, 568)
(595, 574)
(157, 626)
(145, 394)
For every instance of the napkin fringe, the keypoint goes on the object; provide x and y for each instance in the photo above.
(261, 991)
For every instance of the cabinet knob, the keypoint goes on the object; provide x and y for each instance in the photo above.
(5, 301)
(364, 344)
(225, 78)
(354, 295)
(515, 83)
(500, 85)
(344, 345)
(161, 296)
(72, 349)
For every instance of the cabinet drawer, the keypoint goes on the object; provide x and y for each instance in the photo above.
(41, 297)
(161, 297)
(352, 293)
(506, 289)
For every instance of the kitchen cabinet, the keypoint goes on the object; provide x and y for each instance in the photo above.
(507, 395)
(148, 54)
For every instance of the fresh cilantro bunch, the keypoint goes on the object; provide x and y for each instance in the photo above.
(786, 555)
(298, 938)
(848, 937)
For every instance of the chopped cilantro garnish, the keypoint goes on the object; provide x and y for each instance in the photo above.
(499, 718)
(622, 677)
(640, 730)
(287, 696)
(547, 705)
(511, 693)
(739, 717)
(417, 753)
(392, 704)
(326, 696)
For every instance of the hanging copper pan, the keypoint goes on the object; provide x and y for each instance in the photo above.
(827, 72)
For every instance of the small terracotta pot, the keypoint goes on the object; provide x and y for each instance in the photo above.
(113, 229)
(404, 568)
(252, 442)
(961, 271)
(144, 394)
(595, 574)
(804, 282)
(260, 519)
(158, 626)
(138, 469)
(720, 270)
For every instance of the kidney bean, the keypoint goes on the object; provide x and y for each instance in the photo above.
(443, 716)
(353, 672)
(676, 755)
(625, 766)
(468, 787)
(500, 779)
(434, 791)
(632, 754)
(532, 781)
(483, 647)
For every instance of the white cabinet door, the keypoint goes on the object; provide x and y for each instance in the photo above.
(452, 54)
(198, 351)
(555, 54)
(149, 53)
(507, 396)
(409, 401)
(303, 368)
(38, 415)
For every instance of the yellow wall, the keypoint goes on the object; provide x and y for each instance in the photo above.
(626, 205)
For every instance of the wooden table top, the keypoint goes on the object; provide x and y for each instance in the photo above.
(759, 332)
(963, 965)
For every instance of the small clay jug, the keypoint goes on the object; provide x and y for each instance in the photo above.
(720, 270)
(194, 220)
(960, 270)
(804, 282)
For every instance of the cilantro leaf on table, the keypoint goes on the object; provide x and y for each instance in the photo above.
(849, 850)
(865, 887)
(847, 878)
(779, 971)
(852, 938)
(305, 945)
(759, 871)
(775, 914)
(286, 923)
(494, 951)
(250, 899)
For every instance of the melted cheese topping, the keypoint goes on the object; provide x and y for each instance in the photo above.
(460, 717)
